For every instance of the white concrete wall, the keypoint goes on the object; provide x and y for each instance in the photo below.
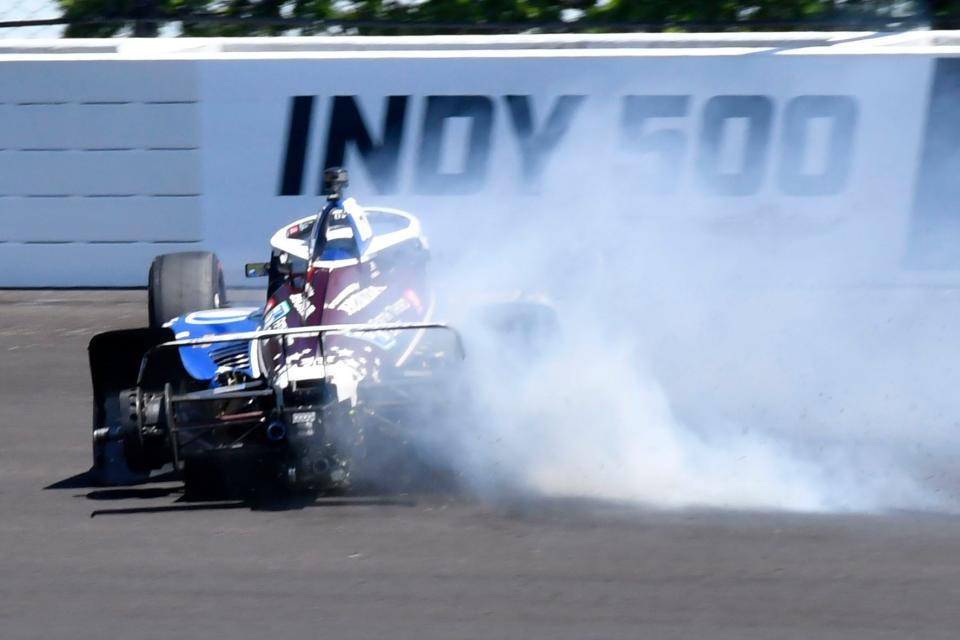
(114, 151)
(99, 169)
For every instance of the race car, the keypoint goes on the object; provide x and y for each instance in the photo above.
(342, 367)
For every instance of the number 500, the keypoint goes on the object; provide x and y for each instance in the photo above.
(754, 114)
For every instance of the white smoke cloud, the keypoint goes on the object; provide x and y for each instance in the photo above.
(708, 370)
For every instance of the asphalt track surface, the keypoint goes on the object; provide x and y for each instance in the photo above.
(149, 565)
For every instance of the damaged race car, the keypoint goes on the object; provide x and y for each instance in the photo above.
(339, 369)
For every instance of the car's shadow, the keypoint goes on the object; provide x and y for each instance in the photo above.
(261, 500)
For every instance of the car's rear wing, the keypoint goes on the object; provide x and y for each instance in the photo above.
(318, 330)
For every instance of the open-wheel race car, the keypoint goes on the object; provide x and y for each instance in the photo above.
(331, 374)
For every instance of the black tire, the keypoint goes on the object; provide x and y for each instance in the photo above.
(180, 283)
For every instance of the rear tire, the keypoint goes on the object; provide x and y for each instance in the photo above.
(180, 283)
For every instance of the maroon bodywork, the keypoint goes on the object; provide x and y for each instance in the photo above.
(390, 287)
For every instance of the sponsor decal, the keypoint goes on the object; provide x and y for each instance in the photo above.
(299, 230)
(393, 311)
(302, 304)
(685, 142)
(386, 340)
(304, 356)
(303, 422)
(275, 315)
(346, 291)
(360, 300)
(303, 417)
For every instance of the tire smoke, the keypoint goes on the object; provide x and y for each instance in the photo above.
(702, 370)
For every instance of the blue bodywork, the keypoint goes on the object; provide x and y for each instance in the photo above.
(202, 362)
(198, 361)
